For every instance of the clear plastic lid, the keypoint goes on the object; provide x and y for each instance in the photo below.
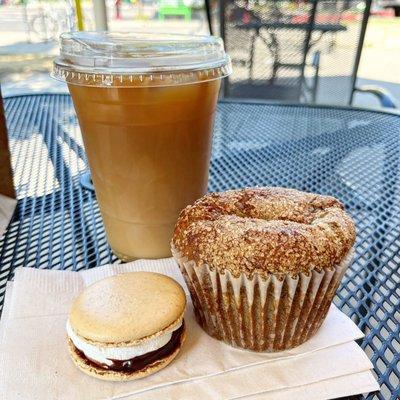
(130, 59)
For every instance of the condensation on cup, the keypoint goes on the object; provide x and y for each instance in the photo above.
(145, 104)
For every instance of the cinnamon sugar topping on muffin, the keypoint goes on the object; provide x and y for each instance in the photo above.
(265, 230)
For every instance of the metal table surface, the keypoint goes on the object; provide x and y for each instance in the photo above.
(348, 153)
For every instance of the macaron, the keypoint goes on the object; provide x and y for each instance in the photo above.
(127, 326)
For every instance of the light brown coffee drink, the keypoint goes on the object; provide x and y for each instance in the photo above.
(147, 131)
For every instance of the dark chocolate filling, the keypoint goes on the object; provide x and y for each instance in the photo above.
(140, 362)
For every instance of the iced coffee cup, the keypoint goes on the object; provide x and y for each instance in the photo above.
(145, 104)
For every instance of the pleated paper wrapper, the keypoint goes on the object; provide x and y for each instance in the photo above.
(272, 313)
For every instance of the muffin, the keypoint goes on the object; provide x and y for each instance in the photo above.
(263, 264)
(127, 326)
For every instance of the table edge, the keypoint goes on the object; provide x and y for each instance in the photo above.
(376, 110)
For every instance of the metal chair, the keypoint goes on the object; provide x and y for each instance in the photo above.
(296, 51)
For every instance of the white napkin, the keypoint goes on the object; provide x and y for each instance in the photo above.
(7, 207)
(34, 362)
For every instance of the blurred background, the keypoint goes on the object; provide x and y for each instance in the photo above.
(29, 30)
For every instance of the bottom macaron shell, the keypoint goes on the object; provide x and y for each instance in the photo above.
(109, 375)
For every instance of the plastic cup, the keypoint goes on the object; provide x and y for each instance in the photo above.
(145, 104)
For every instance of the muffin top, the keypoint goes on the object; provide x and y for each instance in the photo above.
(265, 230)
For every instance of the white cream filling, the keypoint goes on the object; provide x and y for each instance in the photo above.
(104, 355)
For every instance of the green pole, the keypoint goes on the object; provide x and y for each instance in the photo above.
(79, 15)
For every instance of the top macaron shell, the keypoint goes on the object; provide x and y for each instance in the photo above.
(128, 309)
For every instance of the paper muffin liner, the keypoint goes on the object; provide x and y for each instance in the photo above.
(261, 314)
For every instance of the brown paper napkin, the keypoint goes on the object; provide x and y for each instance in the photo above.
(332, 388)
(34, 362)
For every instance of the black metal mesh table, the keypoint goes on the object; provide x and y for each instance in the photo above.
(348, 153)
